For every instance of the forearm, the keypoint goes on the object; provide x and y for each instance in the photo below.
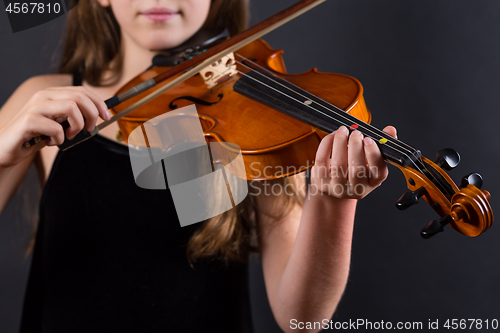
(5, 193)
(10, 179)
(315, 276)
(4, 172)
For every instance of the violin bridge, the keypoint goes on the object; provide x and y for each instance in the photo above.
(212, 74)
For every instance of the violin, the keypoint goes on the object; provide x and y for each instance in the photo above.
(244, 96)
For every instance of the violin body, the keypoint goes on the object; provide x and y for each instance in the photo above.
(273, 144)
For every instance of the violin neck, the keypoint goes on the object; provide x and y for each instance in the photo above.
(285, 97)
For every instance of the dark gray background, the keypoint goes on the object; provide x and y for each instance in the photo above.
(429, 67)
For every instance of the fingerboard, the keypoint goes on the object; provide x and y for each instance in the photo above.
(287, 98)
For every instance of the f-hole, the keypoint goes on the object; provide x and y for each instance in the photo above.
(195, 100)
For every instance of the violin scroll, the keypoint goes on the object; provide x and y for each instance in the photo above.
(470, 214)
(466, 208)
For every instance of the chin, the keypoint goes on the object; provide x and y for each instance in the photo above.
(162, 42)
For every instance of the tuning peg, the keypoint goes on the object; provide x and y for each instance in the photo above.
(472, 179)
(435, 226)
(410, 198)
(447, 158)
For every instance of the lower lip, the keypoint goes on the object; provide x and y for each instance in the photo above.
(159, 17)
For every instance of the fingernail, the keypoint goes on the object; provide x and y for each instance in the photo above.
(108, 115)
(342, 129)
(356, 133)
(367, 141)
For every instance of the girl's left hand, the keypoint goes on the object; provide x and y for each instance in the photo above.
(356, 166)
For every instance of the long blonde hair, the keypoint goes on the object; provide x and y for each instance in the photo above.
(92, 41)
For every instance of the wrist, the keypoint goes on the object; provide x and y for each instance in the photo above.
(328, 206)
(328, 198)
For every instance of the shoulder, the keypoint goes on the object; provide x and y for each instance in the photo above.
(37, 83)
(22, 95)
(41, 82)
(27, 89)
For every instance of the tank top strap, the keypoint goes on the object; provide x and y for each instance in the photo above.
(78, 78)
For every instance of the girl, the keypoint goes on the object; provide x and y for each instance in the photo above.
(106, 263)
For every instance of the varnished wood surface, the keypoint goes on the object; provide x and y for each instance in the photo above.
(469, 207)
(268, 139)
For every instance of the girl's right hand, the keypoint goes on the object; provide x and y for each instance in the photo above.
(42, 115)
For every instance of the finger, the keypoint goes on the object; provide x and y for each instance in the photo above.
(87, 105)
(339, 161)
(37, 125)
(391, 130)
(377, 168)
(356, 159)
(96, 100)
(322, 159)
(99, 103)
(63, 109)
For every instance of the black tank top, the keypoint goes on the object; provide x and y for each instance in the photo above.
(111, 257)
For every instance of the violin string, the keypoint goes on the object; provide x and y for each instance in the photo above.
(311, 107)
(342, 122)
(260, 82)
(412, 150)
(341, 112)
